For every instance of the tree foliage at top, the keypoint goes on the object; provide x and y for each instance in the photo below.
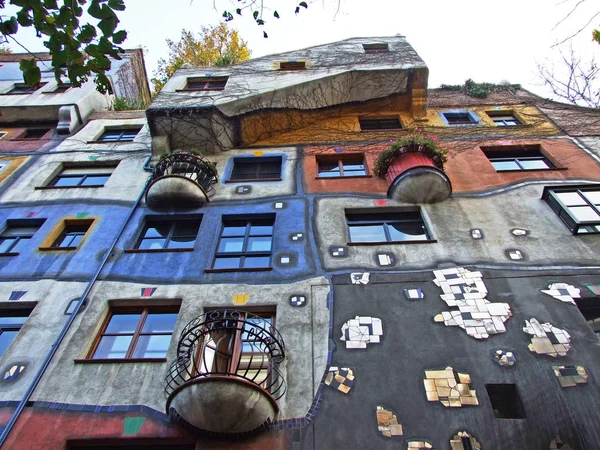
(213, 46)
(79, 50)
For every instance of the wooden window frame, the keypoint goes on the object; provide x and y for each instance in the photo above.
(173, 222)
(385, 218)
(206, 84)
(23, 89)
(575, 226)
(376, 47)
(518, 154)
(473, 120)
(71, 229)
(144, 311)
(124, 133)
(257, 161)
(497, 116)
(292, 65)
(20, 223)
(379, 123)
(13, 312)
(341, 160)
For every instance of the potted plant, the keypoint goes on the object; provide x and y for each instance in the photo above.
(414, 142)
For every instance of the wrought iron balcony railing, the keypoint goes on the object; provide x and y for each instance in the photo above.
(229, 344)
(184, 166)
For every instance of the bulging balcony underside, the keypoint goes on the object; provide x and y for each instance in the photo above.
(181, 180)
(226, 377)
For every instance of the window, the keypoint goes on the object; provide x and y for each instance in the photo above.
(341, 166)
(376, 48)
(136, 333)
(292, 65)
(503, 118)
(87, 176)
(2, 133)
(505, 401)
(264, 168)
(577, 206)
(517, 158)
(4, 165)
(168, 234)
(11, 321)
(119, 134)
(245, 243)
(17, 234)
(206, 84)
(22, 88)
(379, 123)
(35, 133)
(61, 87)
(401, 226)
(72, 234)
(460, 118)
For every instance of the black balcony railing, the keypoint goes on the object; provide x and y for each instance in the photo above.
(188, 165)
(229, 344)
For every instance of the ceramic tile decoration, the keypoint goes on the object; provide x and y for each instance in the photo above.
(505, 358)
(360, 331)
(516, 255)
(297, 236)
(13, 372)
(384, 260)
(466, 291)
(419, 445)
(563, 292)
(338, 251)
(519, 232)
(387, 423)
(547, 339)
(278, 205)
(558, 444)
(341, 379)
(285, 260)
(297, 300)
(360, 278)
(569, 376)
(450, 388)
(414, 293)
(464, 441)
(595, 288)
(476, 233)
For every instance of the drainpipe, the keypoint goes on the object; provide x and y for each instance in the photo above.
(67, 326)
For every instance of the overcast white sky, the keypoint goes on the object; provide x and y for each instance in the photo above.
(460, 39)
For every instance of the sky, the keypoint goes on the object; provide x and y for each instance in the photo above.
(482, 40)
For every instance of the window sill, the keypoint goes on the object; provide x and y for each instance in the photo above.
(157, 250)
(343, 178)
(118, 360)
(45, 188)
(550, 169)
(9, 254)
(60, 249)
(256, 269)
(253, 180)
(109, 142)
(427, 241)
(199, 90)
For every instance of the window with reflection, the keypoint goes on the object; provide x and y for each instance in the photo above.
(11, 321)
(72, 234)
(373, 227)
(17, 235)
(85, 176)
(341, 166)
(245, 243)
(169, 234)
(508, 158)
(136, 333)
(577, 206)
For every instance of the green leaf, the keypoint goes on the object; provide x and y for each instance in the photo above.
(104, 45)
(21, 3)
(87, 33)
(103, 84)
(31, 72)
(297, 9)
(108, 13)
(255, 15)
(238, 11)
(303, 4)
(24, 18)
(265, 35)
(101, 62)
(107, 26)
(119, 5)
(95, 10)
(50, 4)
(9, 26)
(119, 37)
(276, 14)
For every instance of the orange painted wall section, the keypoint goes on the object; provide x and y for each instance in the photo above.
(467, 167)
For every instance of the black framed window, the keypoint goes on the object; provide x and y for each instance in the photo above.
(460, 118)
(341, 166)
(35, 133)
(525, 158)
(72, 235)
(11, 321)
(136, 333)
(22, 88)
(206, 84)
(264, 168)
(372, 227)
(379, 123)
(245, 243)
(82, 176)
(168, 234)
(504, 119)
(577, 206)
(119, 134)
(17, 234)
(292, 65)
(376, 48)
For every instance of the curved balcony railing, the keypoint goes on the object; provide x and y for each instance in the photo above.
(191, 181)
(229, 344)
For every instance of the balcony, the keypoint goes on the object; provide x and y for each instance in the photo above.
(181, 180)
(414, 170)
(226, 376)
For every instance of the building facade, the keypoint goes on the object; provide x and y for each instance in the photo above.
(300, 251)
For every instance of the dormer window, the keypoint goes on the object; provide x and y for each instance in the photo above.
(206, 84)
(379, 123)
(22, 88)
(376, 48)
(292, 65)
